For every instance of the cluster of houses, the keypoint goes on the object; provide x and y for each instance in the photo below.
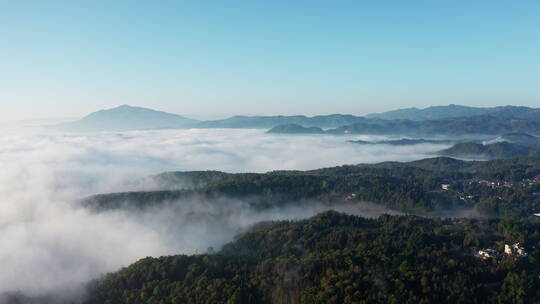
(514, 250)
(531, 181)
(487, 253)
(446, 187)
(499, 184)
(496, 184)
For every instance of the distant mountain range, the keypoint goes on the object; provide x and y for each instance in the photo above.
(442, 120)
(267, 122)
(126, 117)
(453, 111)
(460, 126)
(448, 126)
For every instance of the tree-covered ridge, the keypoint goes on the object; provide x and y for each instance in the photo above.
(510, 145)
(509, 188)
(491, 151)
(336, 258)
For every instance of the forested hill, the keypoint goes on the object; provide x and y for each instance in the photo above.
(507, 188)
(336, 258)
(491, 151)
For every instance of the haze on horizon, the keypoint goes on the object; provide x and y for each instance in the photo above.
(202, 60)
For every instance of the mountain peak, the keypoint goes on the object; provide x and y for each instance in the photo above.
(126, 107)
(126, 117)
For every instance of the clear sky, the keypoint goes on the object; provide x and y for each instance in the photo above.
(218, 58)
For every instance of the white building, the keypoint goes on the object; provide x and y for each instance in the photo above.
(515, 250)
(487, 253)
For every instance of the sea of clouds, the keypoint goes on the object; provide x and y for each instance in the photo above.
(47, 244)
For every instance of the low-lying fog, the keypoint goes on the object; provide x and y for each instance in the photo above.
(48, 245)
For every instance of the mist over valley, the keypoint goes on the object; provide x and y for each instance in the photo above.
(269, 152)
(54, 243)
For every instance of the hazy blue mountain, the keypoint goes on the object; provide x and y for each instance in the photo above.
(489, 125)
(126, 117)
(267, 122)
(460, 126)
(295, 129)
(451, 111)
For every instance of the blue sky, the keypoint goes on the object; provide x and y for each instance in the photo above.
(219, 58)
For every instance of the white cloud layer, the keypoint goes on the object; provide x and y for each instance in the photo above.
(47, 244)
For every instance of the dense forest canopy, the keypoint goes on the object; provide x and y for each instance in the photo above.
(337, 258)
